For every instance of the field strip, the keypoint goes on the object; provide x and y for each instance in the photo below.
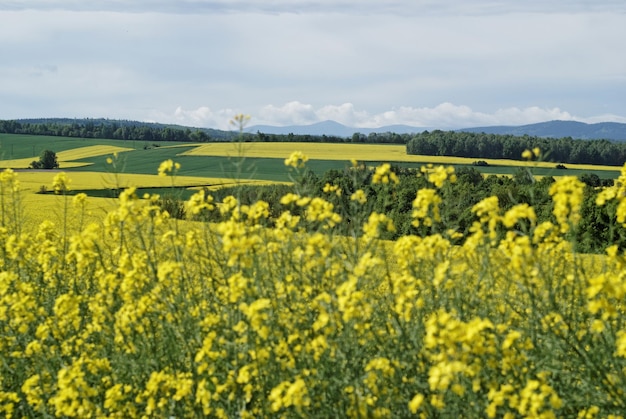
(34, 180)
(66, 158)
(89, 151)
(25, 163)
(37, 208)
(361, 152)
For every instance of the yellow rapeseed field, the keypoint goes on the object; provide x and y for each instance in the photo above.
(89, 151)
(131, 314)
(34, 180)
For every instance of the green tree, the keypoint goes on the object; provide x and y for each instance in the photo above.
(47, 160)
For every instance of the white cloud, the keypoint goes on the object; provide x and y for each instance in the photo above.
(200, 117)
(344, 114)
(292, 113)
(443, 116)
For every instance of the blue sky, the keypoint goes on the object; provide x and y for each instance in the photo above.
(364, 63)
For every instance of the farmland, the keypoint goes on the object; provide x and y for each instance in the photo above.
(262, 161)
(112, 308)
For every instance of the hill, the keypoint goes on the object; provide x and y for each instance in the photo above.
(560, 129)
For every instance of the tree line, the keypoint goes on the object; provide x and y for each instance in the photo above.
(112, 130)
(144, 131)
(134, 130)
(495, 146)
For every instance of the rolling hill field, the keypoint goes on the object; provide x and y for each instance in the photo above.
(225, 163)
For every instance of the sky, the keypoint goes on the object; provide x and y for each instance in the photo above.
(363, 63)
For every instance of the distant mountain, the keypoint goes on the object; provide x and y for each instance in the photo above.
(331, 128)
(560, 129)
(553, 129)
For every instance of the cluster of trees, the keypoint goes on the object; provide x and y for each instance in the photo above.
(47, 160)
(494, 146)
(596, 230)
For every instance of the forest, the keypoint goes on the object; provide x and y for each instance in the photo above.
(494, 146)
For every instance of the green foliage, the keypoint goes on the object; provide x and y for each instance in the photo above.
(47, 160)
(173, 206)
(494, 146)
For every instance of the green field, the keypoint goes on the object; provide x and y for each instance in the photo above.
(13, 146)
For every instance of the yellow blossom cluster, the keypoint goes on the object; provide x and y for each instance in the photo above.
(383, 174)
(297, 159)
(439, 175)
(168, 166)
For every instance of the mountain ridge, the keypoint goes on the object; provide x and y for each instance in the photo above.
(334, 128)
(560, 129)
(615, 131)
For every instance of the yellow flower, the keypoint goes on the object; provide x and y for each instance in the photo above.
(384, 175)
(297, 159)
(426, 207)
(381, 364)
(328, 188)
(438, 175)
(359, 196)
(60, 183)
(168, 166)
(416, 402)
(371, 227)
(519, 211)
(257, 316)
(621, 344)
(199, 202)
(567, 195)
(322, 211)
(288, 394)
(289, 198)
